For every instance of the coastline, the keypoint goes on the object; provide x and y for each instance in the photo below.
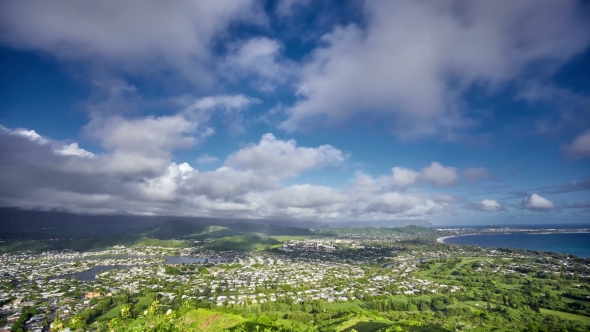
(442, 239)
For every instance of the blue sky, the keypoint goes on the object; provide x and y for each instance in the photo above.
(452, 112)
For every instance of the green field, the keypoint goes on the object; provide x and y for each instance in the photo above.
(112, 313)
(211, 321)
(144, 301)
(346, 305)
(363, 324)
(567, 315)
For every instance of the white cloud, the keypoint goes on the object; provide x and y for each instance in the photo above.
(403, 177)
(488, 205)
(224, 102)
(30, 134)
(440, 176)
(124, 36)
(476, 174)
(74, 150)
(165, 186)
(258, 59)
(150, 135)
(414, 59)
(129, 179)
(536, 202)
(435, 174)
(580, 146)
(283, 158)
(206, 159)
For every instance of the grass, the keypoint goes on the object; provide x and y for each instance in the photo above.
(113, 313)
(345, 305)
(292, 324)
(567, 315)
(363, 323)
(143, 301)
(211, 321)
(479, 305)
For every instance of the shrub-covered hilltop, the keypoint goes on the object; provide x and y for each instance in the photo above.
(426, 313)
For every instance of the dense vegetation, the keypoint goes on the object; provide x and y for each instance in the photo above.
(411, 229)
(423, 313)
(476, 289)
(84, 244)
(268, 229)
(180, 229)
(242, 243)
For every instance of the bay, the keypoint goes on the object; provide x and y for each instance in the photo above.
(570, 243)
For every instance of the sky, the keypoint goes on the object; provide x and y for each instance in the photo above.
(447, 111)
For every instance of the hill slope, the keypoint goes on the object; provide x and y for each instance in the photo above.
(268, 229)
(181, 229)
(411, 229)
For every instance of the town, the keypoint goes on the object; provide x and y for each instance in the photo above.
(336, 272)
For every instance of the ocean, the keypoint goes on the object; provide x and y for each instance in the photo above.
(570, 243)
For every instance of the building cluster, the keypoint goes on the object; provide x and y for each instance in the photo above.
(336, 269)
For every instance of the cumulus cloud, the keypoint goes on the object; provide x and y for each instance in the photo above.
(129, 179)
(487, 205)
(260, 60)
(412, 60)
(536, 202)
(435, 174)
(122, 36)
(74, 150)
(440, 176)
(403, 177)
(475, 174)
(147, 135)
(580, 146)
(283, 158)
(30, 134)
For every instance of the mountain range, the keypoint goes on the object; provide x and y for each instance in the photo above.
(17, 223)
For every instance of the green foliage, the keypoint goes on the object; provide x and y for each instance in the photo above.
(241, 243)
(85, 244)
(411, 229)
(26, 313)
(268, 229)
(180, 229)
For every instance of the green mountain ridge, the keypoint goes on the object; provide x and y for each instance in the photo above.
(182, 229)
(268, 229)
(411, 229)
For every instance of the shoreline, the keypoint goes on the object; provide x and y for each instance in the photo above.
(442, 239)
